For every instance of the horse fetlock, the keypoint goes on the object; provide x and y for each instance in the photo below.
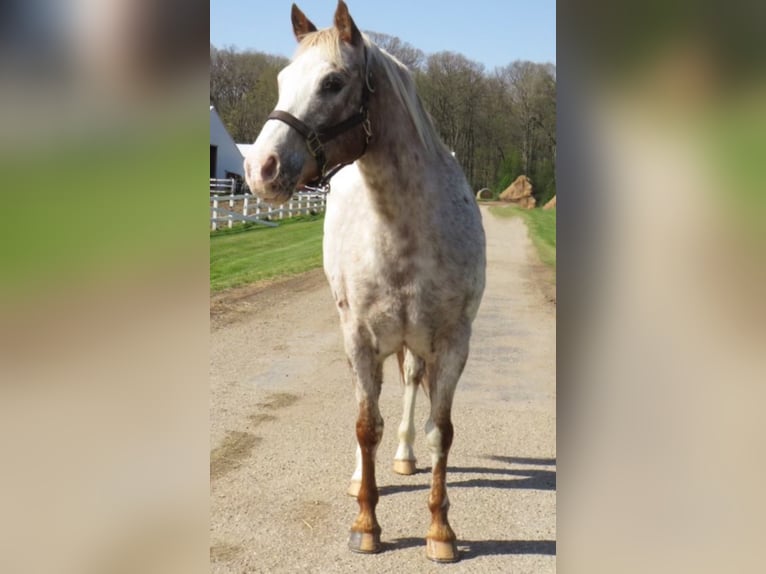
(406, 433)
(404, 451)
(366, 522)
(441, 530)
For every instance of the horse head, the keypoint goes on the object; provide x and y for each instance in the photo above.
(321, 118)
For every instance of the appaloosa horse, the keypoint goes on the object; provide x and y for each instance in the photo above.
(404, 248)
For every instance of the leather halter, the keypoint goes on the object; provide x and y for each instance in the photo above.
(315, 138)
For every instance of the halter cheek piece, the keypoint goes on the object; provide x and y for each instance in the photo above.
(316, 138)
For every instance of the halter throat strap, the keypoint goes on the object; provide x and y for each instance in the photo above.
(316, 138)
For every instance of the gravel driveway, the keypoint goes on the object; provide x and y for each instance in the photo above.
(282, 417)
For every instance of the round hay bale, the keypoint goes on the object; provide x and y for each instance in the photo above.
(484, 193)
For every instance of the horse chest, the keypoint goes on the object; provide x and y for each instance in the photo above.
(391, 307)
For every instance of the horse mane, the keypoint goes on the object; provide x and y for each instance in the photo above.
(398, 77)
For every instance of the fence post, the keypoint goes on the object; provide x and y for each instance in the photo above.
(232, 183)
(215, 212)
(244, 207)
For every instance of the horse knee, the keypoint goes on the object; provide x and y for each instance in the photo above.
(439, 437)
(369, 430)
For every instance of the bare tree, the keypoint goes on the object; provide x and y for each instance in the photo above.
(500, 124)
(243, 88)
(405, 52)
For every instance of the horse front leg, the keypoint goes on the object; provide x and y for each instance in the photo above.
(440, 540)
(442, 379)
(368, 377)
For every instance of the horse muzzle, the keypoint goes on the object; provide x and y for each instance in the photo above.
(267, 179)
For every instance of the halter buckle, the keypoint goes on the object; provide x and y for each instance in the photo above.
(367, 127)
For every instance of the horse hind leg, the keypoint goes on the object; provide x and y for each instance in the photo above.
(411, 369)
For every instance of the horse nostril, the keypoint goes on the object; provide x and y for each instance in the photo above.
(269, 169)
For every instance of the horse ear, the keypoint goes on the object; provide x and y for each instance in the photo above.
(348, 31)
(301, 24)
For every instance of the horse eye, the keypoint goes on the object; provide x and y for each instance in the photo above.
(332, 84)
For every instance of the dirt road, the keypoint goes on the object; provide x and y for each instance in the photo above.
(282, 432)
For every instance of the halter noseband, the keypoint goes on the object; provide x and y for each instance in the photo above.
(316, 138)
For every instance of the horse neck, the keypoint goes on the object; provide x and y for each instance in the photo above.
(397, 163)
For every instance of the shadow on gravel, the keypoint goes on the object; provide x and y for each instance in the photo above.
(522, 460)
(402, 543)
(532, 479)
(528, 478)
(474, 548)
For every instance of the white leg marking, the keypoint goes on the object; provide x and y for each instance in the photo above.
(406, 432)
(357, 476)
(434, 439)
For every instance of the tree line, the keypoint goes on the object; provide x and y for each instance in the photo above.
(500, 124)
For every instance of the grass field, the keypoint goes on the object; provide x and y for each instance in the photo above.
(241, 256)
(542, 228)
(245, 255)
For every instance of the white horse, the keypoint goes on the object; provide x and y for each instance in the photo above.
(404, 248)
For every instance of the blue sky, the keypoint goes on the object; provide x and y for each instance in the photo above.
(492, 32)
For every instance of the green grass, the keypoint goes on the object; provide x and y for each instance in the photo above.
(541, 224)
(245, 255)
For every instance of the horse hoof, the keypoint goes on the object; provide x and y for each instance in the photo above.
(364, 542)
(441, 550)
(404, 467)
(353, 488)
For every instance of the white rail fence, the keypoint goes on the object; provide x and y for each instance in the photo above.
(229, 204)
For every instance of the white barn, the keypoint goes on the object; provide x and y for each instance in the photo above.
(226, 161)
